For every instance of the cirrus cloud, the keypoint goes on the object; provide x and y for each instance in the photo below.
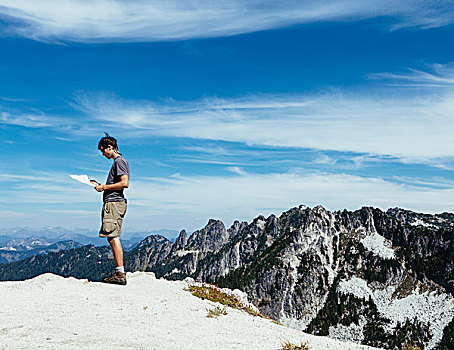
(131, 21)
(411, 127)
(188, 202)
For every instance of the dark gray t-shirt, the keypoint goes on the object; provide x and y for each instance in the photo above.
(119, 167)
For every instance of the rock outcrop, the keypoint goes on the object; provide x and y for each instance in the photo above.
(380, 278)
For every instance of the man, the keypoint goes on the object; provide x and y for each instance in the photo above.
(114, 207)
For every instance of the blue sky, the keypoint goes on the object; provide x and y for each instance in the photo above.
(225, 110)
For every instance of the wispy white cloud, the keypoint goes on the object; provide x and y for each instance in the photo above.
(126, 21)
(237, 170)
(436, 76)
(73, 125)
(39, 177)
(28, 120)
(325, 160)
(9, 99)
(10, 213)
(43, 188)
(413, 127)
(212, 150)
(71, 211)
(189, 201)
(399, 125)
(431, 182)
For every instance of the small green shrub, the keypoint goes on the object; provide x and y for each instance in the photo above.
(216, 312)
(214, 293)
(289, 346)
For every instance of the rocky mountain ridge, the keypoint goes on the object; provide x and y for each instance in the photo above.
(380, 278)
(300, 267)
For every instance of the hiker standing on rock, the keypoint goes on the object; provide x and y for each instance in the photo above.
(114, 207)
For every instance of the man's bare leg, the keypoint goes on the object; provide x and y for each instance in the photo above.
(117, 250)
(119, 276)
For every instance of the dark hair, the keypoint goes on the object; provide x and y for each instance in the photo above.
(107, 141)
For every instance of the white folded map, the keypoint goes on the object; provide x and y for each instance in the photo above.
(85, 180)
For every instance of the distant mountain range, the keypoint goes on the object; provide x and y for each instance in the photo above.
(20, 243)
(18, 249)
(384, 279)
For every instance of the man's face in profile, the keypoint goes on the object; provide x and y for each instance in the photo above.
(107, 152)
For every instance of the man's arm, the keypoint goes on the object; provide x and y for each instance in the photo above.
(123, 183)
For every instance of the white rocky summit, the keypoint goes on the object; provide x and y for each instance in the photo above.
(52, 312)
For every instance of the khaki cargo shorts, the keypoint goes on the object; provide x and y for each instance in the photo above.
(112, 218)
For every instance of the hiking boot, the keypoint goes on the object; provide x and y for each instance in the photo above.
(116, 278)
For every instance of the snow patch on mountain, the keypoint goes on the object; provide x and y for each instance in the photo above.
(261, 224)
(419, 222)
(293, 262)
(354, 332)
(438, 309)
(433, 307)
(185, 252)
(237, 255)
(355, 286)
(11, 249)
(378, 245)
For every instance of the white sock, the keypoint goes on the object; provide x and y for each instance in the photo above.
(120, 269)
